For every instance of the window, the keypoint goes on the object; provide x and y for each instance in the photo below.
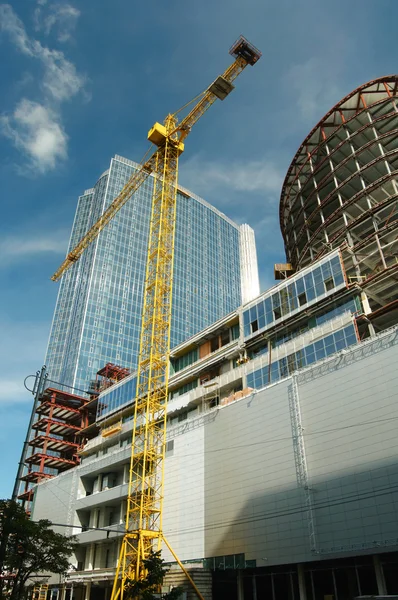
(214, 345)
(234, 332)
(302, 298)
(329, 284)
(170, 447)
(254, 326)
(225, 337)
(277, 313)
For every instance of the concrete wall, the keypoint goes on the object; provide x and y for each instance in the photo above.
(54, 500)
(350, 414)
(302, 470)
(256, 501)
(249, 477)
(183, 519)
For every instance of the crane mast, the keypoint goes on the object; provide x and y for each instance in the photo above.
(145, 494)
(143, 526)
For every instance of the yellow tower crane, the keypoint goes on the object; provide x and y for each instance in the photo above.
(143, 528)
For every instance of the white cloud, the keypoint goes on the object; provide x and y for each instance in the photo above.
(259, 176)
(17, 248)
(12, 391)
(312, 87)
(37, 131)
(62, 18)
(21, 354)
(36, 128)
(60, 78)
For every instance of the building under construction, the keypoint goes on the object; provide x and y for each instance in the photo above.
(281, 468)
(341, 188)
(62, 424)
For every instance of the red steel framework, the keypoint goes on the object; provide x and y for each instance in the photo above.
(64, 422)
(57, 437)
(341, 190)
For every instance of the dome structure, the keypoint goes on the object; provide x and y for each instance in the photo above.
(341, 189)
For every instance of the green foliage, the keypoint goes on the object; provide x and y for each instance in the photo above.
(148, 587)
(28, 548)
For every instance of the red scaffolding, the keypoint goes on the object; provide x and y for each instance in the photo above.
(61, 417)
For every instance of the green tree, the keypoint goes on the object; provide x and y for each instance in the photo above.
(148, 588)
(28, 549)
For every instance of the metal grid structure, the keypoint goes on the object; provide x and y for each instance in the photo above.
(61, 416)
(341, 189)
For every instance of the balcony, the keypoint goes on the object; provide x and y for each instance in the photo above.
(99, 535)
(90, 576)
(119, 492)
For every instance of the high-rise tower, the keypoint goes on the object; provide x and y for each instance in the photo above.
(97, 317)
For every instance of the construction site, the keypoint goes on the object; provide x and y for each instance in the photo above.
(258, 454)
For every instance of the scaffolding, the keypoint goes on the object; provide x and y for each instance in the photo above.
(106, 377)
(341, 191)
(57, 436)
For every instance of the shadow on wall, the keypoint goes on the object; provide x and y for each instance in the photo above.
(334, 531)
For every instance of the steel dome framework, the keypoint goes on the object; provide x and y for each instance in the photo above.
(341, 190)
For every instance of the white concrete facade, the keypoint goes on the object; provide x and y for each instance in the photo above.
(234, 481)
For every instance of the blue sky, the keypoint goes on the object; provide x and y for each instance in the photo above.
(82, 81)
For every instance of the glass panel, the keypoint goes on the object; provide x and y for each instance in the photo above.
(274, 372)
(260, 309)
(268, 305)
(264, 587)
(323, 584)
(319, 350)
(338, 279)
(291, 361)
(326, 270)
(282, 586)
(300, 285)
(276, 301)
(292, 296)
(346, 583)
(284, 301)
(329, 344)
(250, 380)
(367, 580)
(283, 367)
(261, 321)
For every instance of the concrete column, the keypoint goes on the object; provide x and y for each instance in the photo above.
(254, 587)
(301, 582)
(381, 584)
(240, 586)
(87, 591)
(90, 557)
(63, 592)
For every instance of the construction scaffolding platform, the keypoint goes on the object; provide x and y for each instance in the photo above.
(106, 377)
(61, 418)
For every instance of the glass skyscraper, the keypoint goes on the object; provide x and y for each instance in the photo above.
(97, 317)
